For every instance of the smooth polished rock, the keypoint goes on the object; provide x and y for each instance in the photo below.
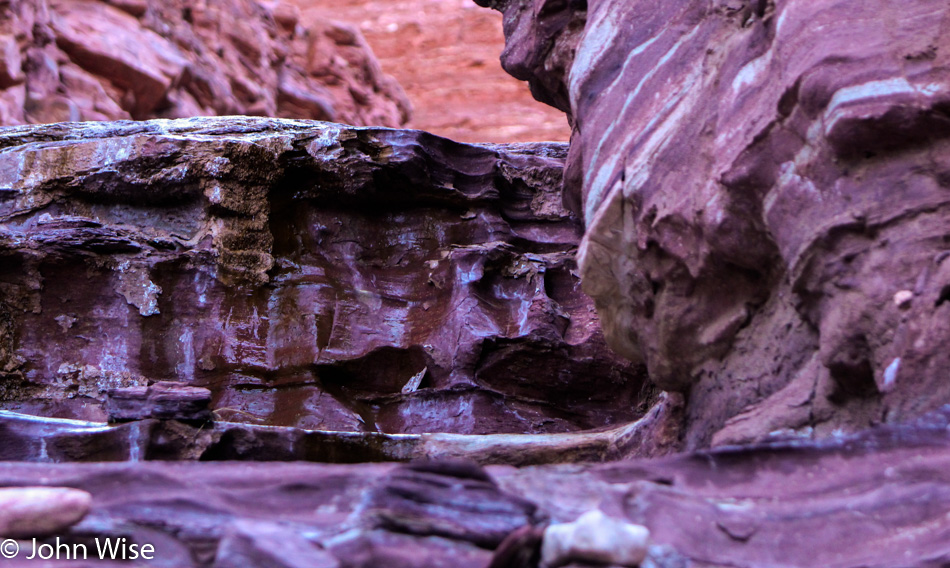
(28, 512)
(594, 538)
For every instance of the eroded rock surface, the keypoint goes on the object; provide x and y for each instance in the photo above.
(164, 400)
(791, 504)
(154, 435)
(69, 60)
(449, 499)
(765, 190)
(308, 274)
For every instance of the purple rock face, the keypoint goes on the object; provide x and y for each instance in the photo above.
(875, 499)
(423, 499)
(308, 274)
(163, 401)
(764, 188)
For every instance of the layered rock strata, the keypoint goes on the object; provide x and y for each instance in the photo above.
(69, 60)
(765, 191)
(767, 505)
(309, 274)
(25, 437)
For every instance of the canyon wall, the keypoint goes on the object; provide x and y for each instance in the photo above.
(444, 53)
(764, 186)
(762, 189)
(71, 60)
(309, 274)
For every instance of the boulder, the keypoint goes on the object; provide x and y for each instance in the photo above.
(29, 512)
(594, 538)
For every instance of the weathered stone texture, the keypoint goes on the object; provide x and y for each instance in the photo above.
(68, 60)
(448, 499)
(875, 499)
(309, 274)
(765, 191)
(155, 429)
(164, 400)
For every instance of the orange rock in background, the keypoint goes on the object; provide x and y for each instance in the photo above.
(117, 59)
(445, 55)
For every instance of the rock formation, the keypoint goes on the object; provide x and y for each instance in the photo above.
(594, 538)
(762, 189)
(308, 274)
(444, 53)
(765, 191)
(875, 499)
(68, 60)
(170, 436)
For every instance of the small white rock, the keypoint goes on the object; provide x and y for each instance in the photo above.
(890, 375)
(27, 512)
(595, 537)
(412, 385)
(902, 299)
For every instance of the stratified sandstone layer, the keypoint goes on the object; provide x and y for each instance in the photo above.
(309, 274)
(69, 60)
(765, 190)
(876, 499)
(168, 433)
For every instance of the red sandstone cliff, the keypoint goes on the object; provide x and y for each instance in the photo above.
(764, 191)
(444, 53)
(68, 60)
